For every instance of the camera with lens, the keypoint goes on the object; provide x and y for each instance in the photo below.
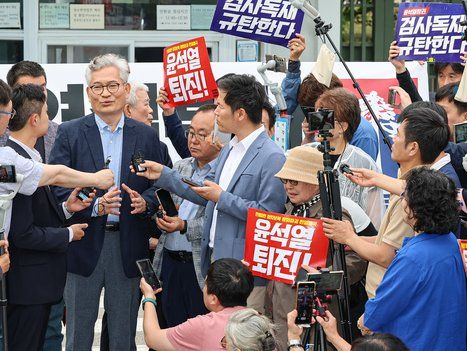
(7, 174)
(321, 119)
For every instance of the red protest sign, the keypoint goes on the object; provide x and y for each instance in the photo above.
(463, 247)
(277, 244)
(188, 76)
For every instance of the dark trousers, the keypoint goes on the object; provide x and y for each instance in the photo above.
(104, 344)
(182, 297)
(27, 325)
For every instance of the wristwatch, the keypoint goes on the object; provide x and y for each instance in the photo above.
(294, 343)
(185, 227)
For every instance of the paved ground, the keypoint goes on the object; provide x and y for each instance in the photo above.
(140, 345)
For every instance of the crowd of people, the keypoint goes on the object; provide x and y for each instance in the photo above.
(84, 216)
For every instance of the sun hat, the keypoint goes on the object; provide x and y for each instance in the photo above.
(302, 164)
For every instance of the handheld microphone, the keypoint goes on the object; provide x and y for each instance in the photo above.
(345, 168)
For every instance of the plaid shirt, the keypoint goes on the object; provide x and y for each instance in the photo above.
(194, 232)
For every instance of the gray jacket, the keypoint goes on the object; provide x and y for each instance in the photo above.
(194, 230)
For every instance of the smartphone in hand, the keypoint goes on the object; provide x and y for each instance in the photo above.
(147, 272)
(167, 203)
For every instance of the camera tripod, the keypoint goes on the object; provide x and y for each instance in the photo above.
(332, 208)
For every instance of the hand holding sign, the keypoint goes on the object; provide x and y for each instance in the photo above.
(277, 245)
(163, 102)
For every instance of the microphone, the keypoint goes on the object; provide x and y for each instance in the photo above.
(306, 7)
(2, 237)
(345, 168)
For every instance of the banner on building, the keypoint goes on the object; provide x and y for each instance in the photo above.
(430, 31)
(277, 245)
(188, 77)
(269, 21)
(67, 99)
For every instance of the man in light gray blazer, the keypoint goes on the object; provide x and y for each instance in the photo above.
(241, 178)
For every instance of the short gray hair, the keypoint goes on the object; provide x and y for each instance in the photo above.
(134, 88)
(249, 331)
(107, 60)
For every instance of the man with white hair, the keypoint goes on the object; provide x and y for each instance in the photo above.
(138, 107)
(118, 231)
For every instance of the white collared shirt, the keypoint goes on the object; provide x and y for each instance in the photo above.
(238, 150)
(441, 162)
(33, 153)
(36, 156)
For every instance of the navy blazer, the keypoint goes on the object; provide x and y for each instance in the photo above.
(253, 185)
(37, 247)
(78, 145)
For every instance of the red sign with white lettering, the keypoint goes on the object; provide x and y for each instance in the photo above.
(277, 244)
(188, 76)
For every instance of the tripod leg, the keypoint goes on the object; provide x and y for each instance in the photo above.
(322, 339)
(3, 304)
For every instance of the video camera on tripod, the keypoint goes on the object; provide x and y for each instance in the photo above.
(321, 120)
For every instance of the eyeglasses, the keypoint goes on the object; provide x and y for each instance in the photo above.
(112, 88)
(224, 343)
(291, 182)
(12, 114)
(190, 134)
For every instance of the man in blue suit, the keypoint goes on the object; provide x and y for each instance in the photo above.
(241, 178)
(118, 220)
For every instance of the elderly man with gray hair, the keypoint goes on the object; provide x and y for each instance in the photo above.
(119, 219)
(138, 107)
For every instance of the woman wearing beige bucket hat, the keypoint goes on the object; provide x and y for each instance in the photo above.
(300, 178)
(347, 118)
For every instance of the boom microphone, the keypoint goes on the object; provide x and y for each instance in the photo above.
(306, 7)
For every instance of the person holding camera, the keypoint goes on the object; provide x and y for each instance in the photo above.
(347, 113)
(247, 330)
(299, 176)
(373, 342)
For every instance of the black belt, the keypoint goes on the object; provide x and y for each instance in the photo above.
(112, 226)
(180, 256)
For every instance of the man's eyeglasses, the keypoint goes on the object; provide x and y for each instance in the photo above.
(112, 88)
(190, 134)
(291, 182)
(12, 114)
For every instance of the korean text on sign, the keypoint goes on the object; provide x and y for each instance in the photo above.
(188, 76)
(270, 21)
(277, 244)
(428, 31)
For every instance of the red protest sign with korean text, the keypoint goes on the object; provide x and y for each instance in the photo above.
(277, 244)
(188, 76)
(463, 247)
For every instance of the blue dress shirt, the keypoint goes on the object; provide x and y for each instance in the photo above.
(112, 143)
